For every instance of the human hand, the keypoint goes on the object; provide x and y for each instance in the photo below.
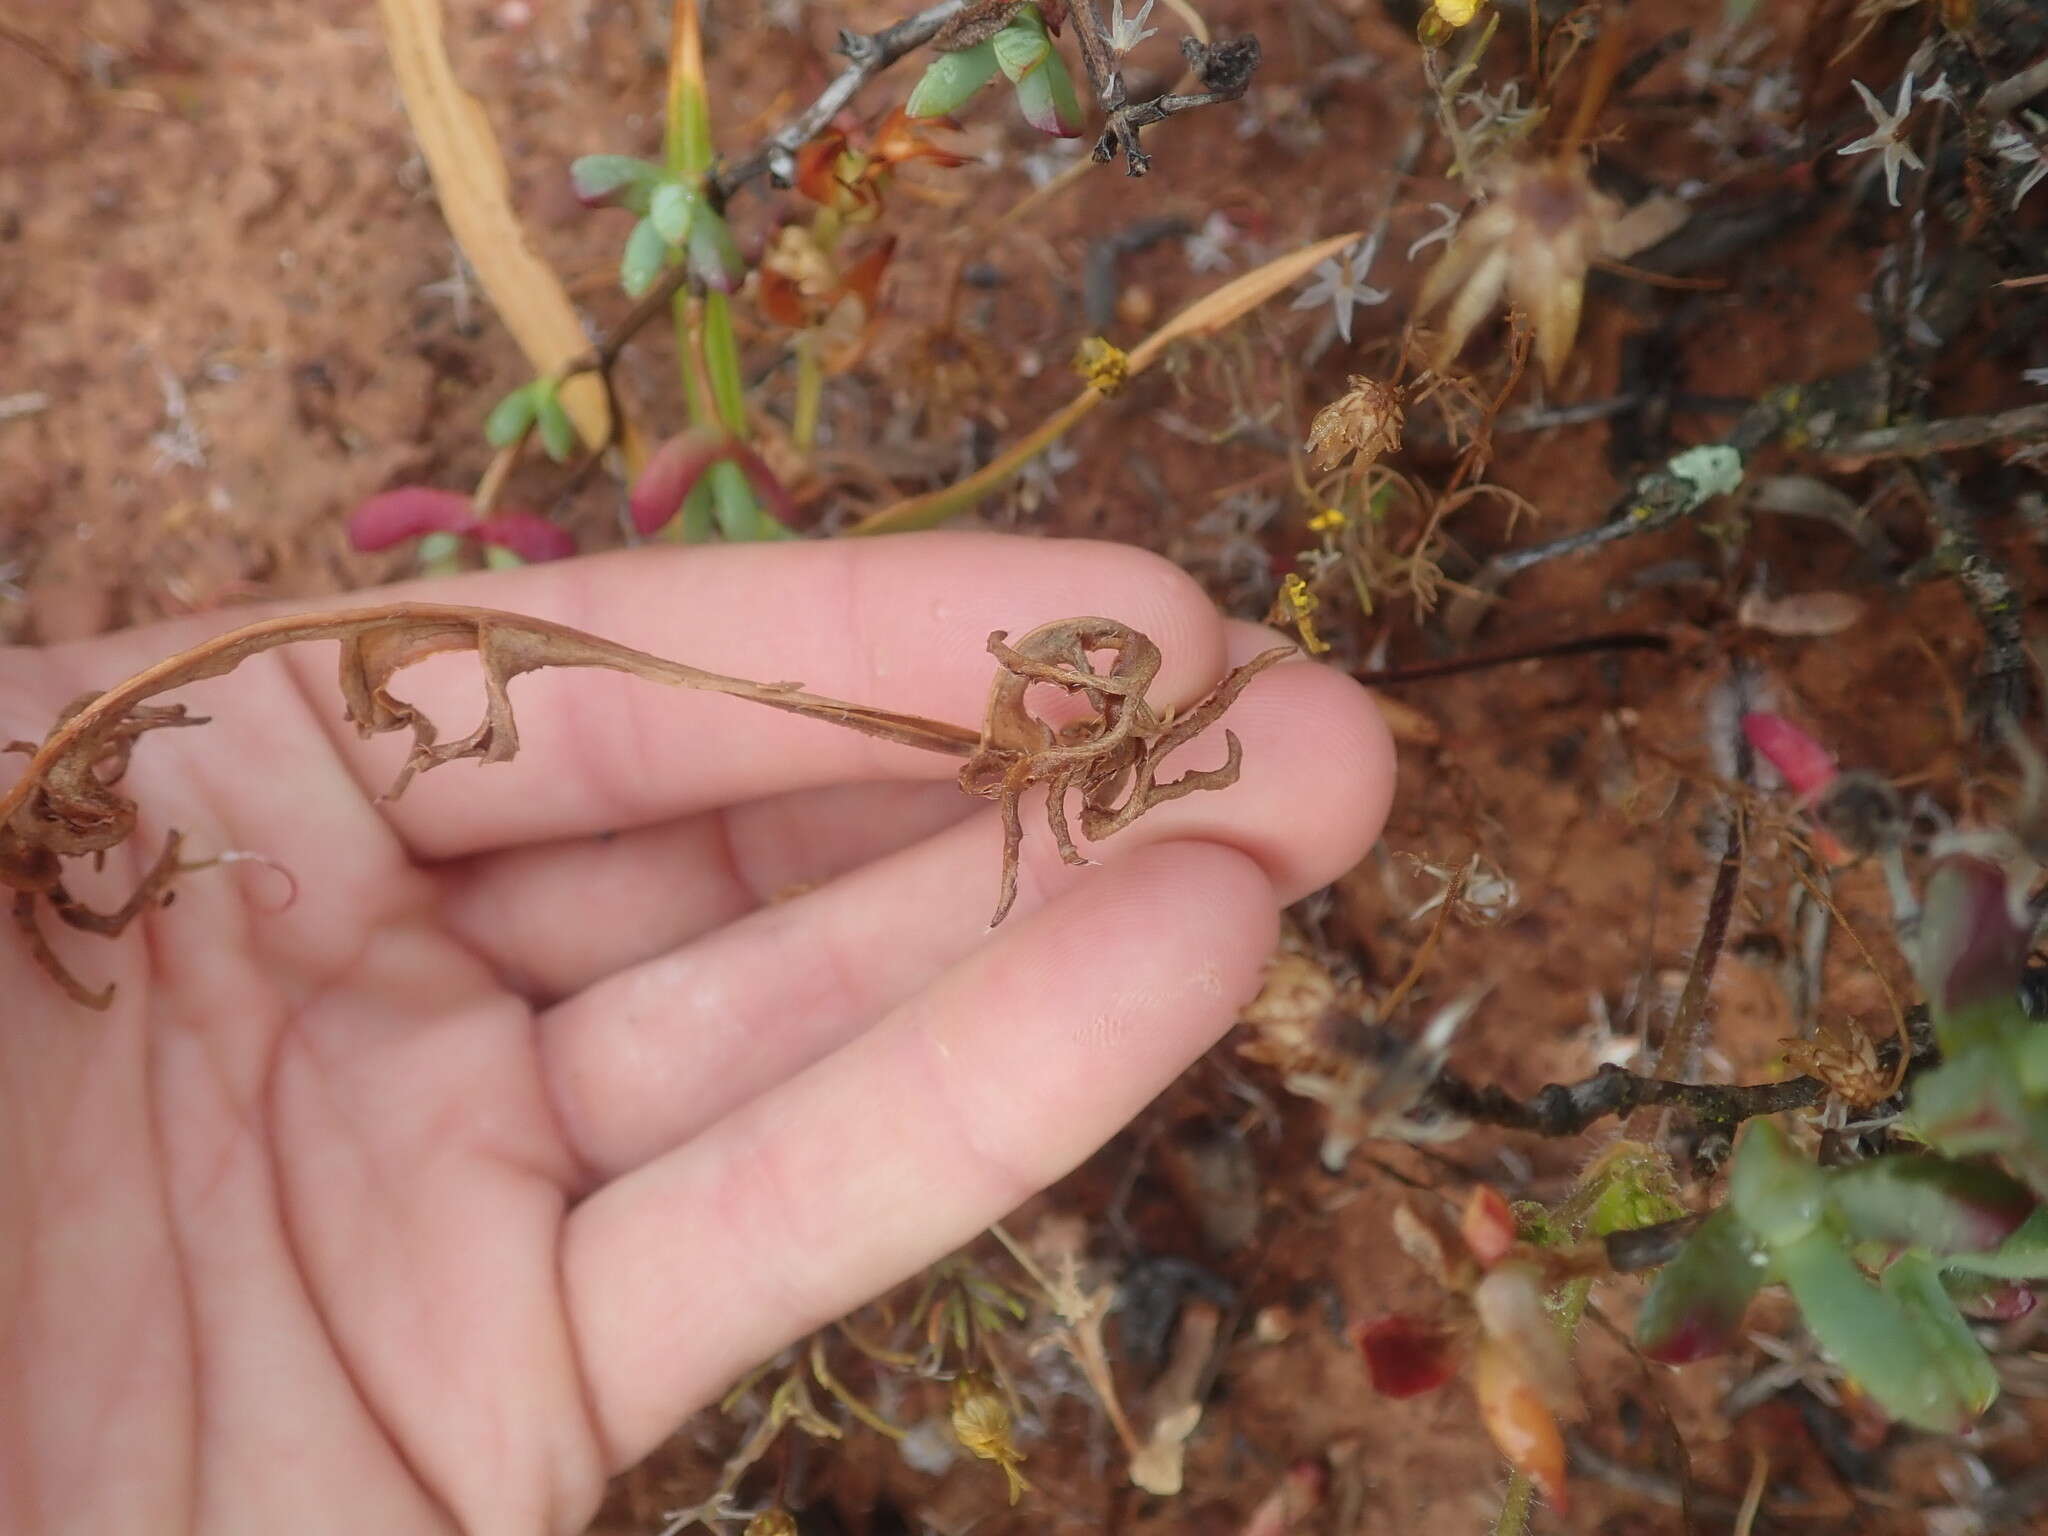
(430, 1199)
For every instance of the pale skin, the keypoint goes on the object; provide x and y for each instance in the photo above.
(566, 1090)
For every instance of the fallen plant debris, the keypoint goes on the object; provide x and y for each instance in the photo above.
(66, 806)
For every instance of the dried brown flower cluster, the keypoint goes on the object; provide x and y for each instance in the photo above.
(1360, 425)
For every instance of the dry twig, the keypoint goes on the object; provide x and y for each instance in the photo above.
(66, 804)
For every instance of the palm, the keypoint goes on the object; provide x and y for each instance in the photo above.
(432, 1196)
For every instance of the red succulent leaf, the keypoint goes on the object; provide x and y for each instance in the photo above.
(671, 473)
(527, 534)
(1407, 1356)
(408, 512)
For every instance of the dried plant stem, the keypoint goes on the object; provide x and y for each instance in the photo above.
(1205, 316)
(66, 806)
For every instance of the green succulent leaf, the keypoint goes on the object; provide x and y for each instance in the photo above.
(672, 209)
(1046, 97)
(645, 255)
(714, 254)
(1969, 1379)
(1022, 44)
(1872, 1334)
(951, 79)
(557, 432)
(2022, 1256)
(618, 179)
(1778, 1194)
(1931, 1203)
(1697, 1302)
(511, 416)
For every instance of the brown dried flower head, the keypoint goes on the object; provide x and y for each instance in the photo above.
(1290, 1016)
(1842, 1056)
(1360, 424)
(1542, 226)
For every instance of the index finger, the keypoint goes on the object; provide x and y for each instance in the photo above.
(899, 623)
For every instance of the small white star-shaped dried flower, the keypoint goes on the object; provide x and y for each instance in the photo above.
(1208, 248)
(1342, 287)
(1887, 136)
(1126, 35)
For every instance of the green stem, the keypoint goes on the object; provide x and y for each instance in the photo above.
(722, 364)
(810, 386)
(1514, 1508)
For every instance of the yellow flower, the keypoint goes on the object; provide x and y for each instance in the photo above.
(1105, 367)
(1457, 13)
(1297, 605)
(1329, 520)
(981, 1423)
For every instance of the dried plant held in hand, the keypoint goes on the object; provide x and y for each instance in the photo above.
(1114, 753)
(66, 805)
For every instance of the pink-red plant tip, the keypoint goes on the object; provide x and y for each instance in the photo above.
(527, 534)
(408, 512)
(414, 511)
(670, 474)
(1407, 1356)
(1804, 764)
(1488, 1225)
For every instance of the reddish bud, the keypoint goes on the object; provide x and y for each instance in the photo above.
(1488, 1226)
(1407, 1356)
